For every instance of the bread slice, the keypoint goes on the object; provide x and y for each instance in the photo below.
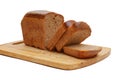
(76, 33)
(41, 28)
(51, 45)
(82, 51)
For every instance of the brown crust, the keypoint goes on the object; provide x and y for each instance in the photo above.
(38, 14)
(83, 54)
(69, 23)
(28, 32)
(74, 27)
(82, 26)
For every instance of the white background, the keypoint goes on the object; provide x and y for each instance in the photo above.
(102, 15)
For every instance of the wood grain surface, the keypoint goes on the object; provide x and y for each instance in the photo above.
(54, 59)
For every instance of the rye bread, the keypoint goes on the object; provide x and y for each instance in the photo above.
(41, 28)
(82, 51)
(76, 33)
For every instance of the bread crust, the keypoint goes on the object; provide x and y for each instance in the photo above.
(76, 33)
(31, 32)
(87, 51)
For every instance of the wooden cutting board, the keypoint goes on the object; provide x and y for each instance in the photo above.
(53, 59)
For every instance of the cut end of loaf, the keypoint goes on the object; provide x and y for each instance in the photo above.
(53, 22)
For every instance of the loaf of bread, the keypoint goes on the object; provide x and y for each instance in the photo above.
(82, 51)
(47, 30)
(42, 29)
(76, 33)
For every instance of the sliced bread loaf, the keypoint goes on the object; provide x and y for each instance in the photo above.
(76, 33)
(41, 28)
(82, 51)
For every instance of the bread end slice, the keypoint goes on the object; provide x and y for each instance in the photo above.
(76, 33)
(82, 51)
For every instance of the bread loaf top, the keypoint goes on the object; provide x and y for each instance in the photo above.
(40, 14)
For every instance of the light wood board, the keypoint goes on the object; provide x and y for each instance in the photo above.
(53, 59)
